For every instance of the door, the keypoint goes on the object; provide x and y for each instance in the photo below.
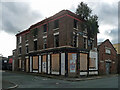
(107, 67)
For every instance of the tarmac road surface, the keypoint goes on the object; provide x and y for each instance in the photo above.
(33, 81)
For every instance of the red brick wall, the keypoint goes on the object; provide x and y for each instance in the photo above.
(104, 56)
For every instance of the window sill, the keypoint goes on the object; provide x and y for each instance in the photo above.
(35, 36)
(108, 53)
(44, 32)
(55, 29)
(76, 29)
(20, 54)
(26, 41)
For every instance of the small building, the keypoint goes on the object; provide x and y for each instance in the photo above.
(107, 58)
(57, 45)
(4, 63)
(10, 60)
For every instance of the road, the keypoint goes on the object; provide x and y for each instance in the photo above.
(32, 81)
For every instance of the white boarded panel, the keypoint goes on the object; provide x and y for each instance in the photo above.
(39, 64)
(48, 64)
(62, 63)
(30, 63)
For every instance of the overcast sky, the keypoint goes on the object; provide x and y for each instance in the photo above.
(17, 15)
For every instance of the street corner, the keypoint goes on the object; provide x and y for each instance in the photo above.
(6, 85)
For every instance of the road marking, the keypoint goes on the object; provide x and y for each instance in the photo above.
(57, 83)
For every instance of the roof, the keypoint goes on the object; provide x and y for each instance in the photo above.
(99, 43)
(106, 41)
(59, 14)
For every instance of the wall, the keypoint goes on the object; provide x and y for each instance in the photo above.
(103, 57)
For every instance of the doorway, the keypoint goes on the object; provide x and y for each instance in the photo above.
(107, 68)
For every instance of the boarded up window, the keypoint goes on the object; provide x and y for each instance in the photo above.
(35, 62)
(83, 61)
(92, 63)
(44, 64)
(27, 67)
(72, 62)
(19, 63)
(55, 62)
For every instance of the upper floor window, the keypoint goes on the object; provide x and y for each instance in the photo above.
(27, 49)
(20, 50)
(44, 43)
(85, 43)
(35, 45)
(108, 50)
(75, 24)
(56, 40)
(35, 32)
(75, 40)
(45, 27)
(26, 36)
(91, 44)
(19, 39)
(56, 24)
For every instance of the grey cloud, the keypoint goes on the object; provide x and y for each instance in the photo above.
(114, 35)
(107, 13)
(17, 16)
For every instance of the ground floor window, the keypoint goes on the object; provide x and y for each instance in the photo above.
(83, 61)
(44, 63)
(35, 62)
(19, 65)
(55, 63)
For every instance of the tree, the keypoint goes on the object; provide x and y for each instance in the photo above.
(91, 21)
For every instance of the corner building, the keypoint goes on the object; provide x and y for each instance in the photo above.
(56, 45)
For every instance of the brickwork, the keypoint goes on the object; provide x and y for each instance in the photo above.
(105, 57)
(66, 31)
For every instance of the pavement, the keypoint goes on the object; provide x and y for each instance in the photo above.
(6, 85)
(9, 85)
(68, 78)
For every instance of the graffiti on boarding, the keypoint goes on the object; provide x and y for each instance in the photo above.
(73, 63)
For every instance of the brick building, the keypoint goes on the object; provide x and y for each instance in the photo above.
(107, 58)
(117, 47)
(56, 45)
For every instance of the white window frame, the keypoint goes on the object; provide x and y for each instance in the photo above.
(20, 39)
(108, 50)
